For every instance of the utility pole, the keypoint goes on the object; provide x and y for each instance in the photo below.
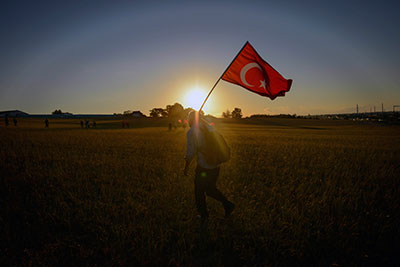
(357, 108)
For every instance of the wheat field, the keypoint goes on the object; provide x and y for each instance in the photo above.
(307, 192)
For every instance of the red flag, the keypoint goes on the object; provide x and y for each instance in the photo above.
(250, 71)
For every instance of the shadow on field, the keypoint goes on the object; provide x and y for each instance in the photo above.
(214, 245)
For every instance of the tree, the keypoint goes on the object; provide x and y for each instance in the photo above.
(164, 113)
(237, 113)
(227, 114)
(57, 111)
(127, 112)
(157, 112)
(174, 111)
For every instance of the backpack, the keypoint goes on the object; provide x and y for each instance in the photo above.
(215, 149)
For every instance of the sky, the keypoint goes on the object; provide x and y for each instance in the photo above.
(104, 57)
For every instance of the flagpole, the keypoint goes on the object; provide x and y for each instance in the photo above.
(211, 92)
(212, 89)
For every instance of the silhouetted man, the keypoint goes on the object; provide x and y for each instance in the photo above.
(206, 174)
(15, 121)
(46, 122)
(82, 124)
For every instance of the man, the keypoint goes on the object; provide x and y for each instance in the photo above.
(206, 174)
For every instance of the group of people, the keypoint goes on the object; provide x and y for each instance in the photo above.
(6, 121)
(87, 124)
(175, 126)
(15, 122)
(170, 126)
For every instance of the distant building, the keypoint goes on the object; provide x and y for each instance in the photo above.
(13, 113)
(138, 114)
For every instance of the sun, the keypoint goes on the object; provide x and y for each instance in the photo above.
(195, 97)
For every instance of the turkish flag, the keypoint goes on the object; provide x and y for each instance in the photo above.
(250, 71)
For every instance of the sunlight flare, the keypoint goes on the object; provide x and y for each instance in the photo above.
(195, 97)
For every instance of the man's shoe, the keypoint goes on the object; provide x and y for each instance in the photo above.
(229, 209)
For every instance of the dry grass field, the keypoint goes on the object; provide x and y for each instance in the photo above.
(307, 192)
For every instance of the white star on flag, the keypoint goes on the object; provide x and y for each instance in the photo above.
(262, 84)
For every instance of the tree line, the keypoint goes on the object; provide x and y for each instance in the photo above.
(235, 114)
(178, 111)
(170, 111)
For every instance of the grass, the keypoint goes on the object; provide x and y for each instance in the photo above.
(306, 192)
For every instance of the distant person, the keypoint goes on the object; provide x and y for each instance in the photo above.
(87, 124)
(82, 124)
(169, 126)
(94, 124)
(207, 170)
(46, 123)
(15, 121)
(6, 119)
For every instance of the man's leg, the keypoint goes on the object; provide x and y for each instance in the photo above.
(212, 191)
(199, 191)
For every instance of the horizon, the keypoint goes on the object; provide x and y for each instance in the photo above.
(147, 114)
(105, 58)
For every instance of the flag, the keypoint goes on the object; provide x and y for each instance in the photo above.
(250, 71)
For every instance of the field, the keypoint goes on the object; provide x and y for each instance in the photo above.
(307, 192)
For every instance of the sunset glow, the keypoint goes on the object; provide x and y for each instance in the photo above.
(195, 97)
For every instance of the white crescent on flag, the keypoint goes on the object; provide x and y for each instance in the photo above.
(245, 69)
